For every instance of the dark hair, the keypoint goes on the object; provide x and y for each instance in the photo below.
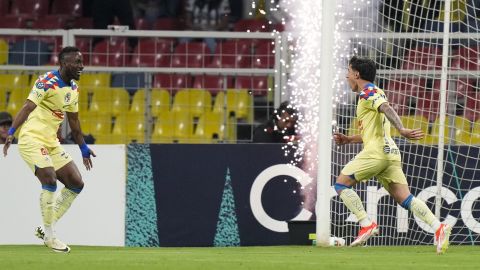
(366, 67)
(285, 107)
(66, 50)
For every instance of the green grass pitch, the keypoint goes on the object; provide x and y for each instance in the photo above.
(263, 258)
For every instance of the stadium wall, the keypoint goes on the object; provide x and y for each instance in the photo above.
(96, 217)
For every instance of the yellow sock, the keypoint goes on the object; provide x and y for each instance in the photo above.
(353, 203)
(46, 206)
(63, 202)
(421, 210)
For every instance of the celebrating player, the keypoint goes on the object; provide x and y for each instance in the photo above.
(380, 156)
(53, 94)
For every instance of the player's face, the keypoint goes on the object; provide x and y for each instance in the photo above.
(352, 77)
(286, 121)
(73, 65)
(4, 130)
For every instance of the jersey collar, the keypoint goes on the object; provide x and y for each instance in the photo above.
(60, 81)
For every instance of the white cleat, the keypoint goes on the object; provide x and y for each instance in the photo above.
(442, 238)
(57, 245)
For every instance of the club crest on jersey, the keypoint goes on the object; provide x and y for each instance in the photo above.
(40, 85)
(67, 97)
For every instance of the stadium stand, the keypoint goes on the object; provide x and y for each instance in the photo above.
(213, 83)
(194, 101)
(191, 54)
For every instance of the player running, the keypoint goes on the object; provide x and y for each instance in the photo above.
(380, 156)
(53, 94)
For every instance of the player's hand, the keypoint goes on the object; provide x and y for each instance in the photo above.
(340, 138)
(8, 142)
(87, 161)
(412, 134)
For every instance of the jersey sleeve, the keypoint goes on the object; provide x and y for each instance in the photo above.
(38, 92)
(374, 99)
(73, 107)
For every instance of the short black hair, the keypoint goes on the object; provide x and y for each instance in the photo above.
(366, 67)
(285, 106)
(66, 50)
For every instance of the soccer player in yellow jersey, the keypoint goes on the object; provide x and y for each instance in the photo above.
(380, 156)
(53, 94)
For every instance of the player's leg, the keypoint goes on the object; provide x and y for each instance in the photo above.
(357, 170)
(70, 176)
(395, 182)
(47, 178)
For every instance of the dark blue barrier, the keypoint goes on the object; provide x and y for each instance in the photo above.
(202, 195)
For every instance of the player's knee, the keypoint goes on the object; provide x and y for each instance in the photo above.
(76, 185)
(343, 182)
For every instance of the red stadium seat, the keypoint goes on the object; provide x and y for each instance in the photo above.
(191, 54)
(264, 56)
(402, 93)
(50, 22)
(141, 24)
(35, 8)
(212, 83)
(278, 27)
(466, 58)
(472, 106)
(465, 86)
(172, 82)
(428, 104)
(112, 53)
(166, 24)
(232, 54)
(258, 85)
(67, 7)
(82, 23)
(251, 25)
(15, 21)
(4, 7)
(423, 58)
(152, 53)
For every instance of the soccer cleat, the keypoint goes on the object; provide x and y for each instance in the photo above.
(39, 233)
(365, 234)
(57, 245)
(442, 236)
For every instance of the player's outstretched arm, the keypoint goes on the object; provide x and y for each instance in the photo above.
(21, 116)
(392, 116)
(342, 139)
(77, 135)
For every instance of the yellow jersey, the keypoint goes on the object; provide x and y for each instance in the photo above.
(53, 97)
(374, 125)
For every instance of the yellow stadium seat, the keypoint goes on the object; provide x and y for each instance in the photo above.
(195, 101)
(98, 125)
(3, 99)
(16, 100)
(412, 122)
(3, 52)
(210, 128)
(94, 80)
(173, 126)
(462, 130)
(239, 102)
(160, 101)
(475, 135)
(11, 81)
(129, 128)
(110, 100)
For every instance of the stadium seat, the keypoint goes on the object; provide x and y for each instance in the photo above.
(8, 81)
(251, 25)
(3, 99)
(50, 22)
(112, 52)
(232, 54)
(29, 52)
(172, 82)
(191, 54)
(475, 138)
(95, 80)
(129, 127)
(173, 127)
(402, 92)
(428, 104)
(472, 106)
(423, 58)
(3, 52)
(114, 101)
(35, 8)
(14, 21)
(160, 101)
(239, 103)
(195, 101)
(465, 58)
(210, 128)
(129, 81)
(212, 83)
(4, 7)
(16, 99)
(141, 24)
(67, 7)
(82, 23)
(463, 130)
(412, 122)
(264, 56)
(258, 85)
(98, 125)
(152, 53)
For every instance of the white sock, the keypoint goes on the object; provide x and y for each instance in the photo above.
(436, 224)
(365, 222)
(48, 232)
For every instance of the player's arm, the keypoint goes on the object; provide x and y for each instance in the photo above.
(392, 116)
(341, 138)
(77, 135)
(21, 116)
